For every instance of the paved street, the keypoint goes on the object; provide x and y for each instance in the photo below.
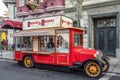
(10, 70)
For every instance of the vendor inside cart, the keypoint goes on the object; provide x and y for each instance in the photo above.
(50, 44)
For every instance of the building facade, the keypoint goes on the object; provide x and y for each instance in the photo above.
(102, 19)
(11, 24)
(31, 9)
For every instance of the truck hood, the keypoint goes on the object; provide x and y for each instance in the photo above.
(87, 51)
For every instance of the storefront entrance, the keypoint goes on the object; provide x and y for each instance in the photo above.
(105, 35)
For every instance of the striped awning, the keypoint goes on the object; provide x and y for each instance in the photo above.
(33, 33)
(10, 24)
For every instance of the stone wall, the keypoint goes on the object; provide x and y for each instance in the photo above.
(104, 9)
(100, 12)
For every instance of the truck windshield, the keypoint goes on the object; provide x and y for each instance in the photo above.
(77, 39)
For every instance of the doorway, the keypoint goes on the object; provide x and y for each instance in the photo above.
(105, 35)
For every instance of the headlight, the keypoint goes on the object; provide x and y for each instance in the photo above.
(98, 55)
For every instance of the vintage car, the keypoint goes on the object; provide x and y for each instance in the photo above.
(57, 46)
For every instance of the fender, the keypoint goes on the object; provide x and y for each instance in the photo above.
(105, 58)
(81, 64)
(96, 60)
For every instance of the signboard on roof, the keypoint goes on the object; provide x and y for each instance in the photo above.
(66, 22)
(47, 22)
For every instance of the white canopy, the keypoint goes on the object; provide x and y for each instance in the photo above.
(33, 33)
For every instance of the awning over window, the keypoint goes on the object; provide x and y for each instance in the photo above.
(10, 24)
(33, 33)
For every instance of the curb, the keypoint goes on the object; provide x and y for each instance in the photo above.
(113, 72)
(6, 59)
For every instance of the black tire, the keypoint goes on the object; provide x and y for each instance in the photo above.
(106, 66)
(28, 62)
(93, 69)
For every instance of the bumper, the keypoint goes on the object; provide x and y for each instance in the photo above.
(102, 60)
(105, 58)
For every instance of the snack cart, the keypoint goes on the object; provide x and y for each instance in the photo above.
(53, 41)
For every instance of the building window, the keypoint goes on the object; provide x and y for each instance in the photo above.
(21, 2)
(33, 1)
(36, 1)
(33, 4)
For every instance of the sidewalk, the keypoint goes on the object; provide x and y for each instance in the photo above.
(114, 62)
(6, 55)
(114, 65)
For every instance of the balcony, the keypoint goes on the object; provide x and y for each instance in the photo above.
(37, 11)
(22, 11)
(55, 5)
(20, 14)
(54, 8)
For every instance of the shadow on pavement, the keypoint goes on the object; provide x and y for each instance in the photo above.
(115, 78)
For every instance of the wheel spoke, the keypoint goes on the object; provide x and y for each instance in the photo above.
(28, 62)
(93, 69)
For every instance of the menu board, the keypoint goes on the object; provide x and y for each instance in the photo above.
(35, 44)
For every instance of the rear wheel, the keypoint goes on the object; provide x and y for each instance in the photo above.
(93, 69)
(28, 62)
(106, 66)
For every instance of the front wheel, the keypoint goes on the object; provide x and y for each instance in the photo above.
(93, 69)
(106, 66)
(28, 62)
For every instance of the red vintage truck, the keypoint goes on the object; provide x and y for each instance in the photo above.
(53, 41)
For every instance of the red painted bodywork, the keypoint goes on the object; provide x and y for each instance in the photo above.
(76, 54)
